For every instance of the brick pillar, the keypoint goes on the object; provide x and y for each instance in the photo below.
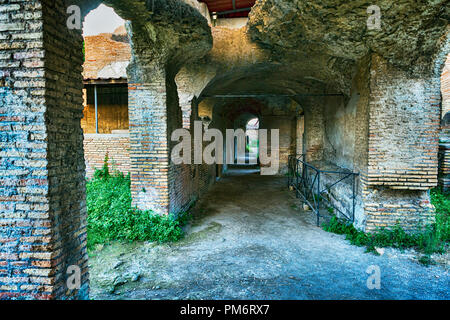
(444, 141)
(286, 126)
(149, 149)
(154, 112)
(42, 186)
(314, 129)
(403, 146)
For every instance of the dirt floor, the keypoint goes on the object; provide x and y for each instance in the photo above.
(249, 239)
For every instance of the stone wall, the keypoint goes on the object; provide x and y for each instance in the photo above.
(286, 126)
(116, 146)
(339, 130)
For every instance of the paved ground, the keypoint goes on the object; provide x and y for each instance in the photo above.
(250, 241)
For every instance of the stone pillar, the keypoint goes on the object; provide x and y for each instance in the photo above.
(403, 147)
(42, 189)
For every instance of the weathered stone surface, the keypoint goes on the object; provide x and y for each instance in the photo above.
(408, 37)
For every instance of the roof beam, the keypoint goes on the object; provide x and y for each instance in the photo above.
(233, 11)
(273, 95)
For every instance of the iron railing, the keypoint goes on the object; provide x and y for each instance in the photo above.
(308, 183)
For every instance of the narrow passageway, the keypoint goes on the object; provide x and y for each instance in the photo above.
(250, 240)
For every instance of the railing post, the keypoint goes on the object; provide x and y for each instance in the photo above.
(289, 172)
(296, 178)
(354, 200)
(318, 198)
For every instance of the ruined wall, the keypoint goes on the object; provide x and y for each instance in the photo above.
(43, 213)
(402, 109)
(444, 164)
(116, 146)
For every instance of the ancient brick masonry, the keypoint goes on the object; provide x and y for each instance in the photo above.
(444, 145)
(149, 146)
(115, 146)
(43, 214)
(42, 190)
(403, 143)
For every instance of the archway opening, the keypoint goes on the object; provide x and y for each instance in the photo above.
(105, 122)
(252, 141)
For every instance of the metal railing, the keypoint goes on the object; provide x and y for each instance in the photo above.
(307, 182)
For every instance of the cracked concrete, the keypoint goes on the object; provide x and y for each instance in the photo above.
(249, 239)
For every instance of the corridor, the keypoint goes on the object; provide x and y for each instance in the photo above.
(250, 240)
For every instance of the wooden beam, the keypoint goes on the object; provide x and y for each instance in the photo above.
(104, 81)
(96, 108)
(273, 95)
(221, 13)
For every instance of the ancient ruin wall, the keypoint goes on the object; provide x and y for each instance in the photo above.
(115, 146)
(43, 219)
(403, 144)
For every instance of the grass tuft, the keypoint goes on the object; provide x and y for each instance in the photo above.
(433, 239)
(111, 216)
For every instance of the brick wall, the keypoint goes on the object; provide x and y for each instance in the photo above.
(314, 129)
(116, 146)
(403, 146)
(403, 131)
(149, 150)
(444, 145)
(102, 50)
(42, 190)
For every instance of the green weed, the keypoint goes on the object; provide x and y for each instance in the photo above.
(111, 216)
